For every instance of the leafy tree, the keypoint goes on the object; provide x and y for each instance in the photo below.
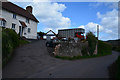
(41, 34)
(91, 42)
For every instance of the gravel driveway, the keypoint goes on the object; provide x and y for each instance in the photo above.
(34, 61)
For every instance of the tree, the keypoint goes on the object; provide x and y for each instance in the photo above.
(91, 42)
(41, 34)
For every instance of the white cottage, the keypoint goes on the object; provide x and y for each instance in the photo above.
(19, 19)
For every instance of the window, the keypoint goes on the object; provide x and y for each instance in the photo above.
(14, 15)
(29, 30)
(13, 26)
(3, 23)
(27, 20)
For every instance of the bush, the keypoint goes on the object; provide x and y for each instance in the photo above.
(114, 70)
(104, 48)
(116, 48)
(117, 74)
(91, 42)
(10, 40)
(13, 36)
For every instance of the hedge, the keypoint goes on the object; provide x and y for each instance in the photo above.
(104, 48)
(91, 42)
(10, 40)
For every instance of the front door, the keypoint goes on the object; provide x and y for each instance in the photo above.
(20, 31)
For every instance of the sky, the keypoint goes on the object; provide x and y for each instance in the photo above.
(67, 15)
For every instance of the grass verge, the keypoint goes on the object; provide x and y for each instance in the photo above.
(80, 57)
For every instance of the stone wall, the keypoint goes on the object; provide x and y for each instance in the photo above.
(71, 49)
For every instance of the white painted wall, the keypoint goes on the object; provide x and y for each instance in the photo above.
(8, 16)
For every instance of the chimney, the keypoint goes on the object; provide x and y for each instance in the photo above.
(29, 9)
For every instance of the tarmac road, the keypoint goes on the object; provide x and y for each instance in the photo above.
(33, 61)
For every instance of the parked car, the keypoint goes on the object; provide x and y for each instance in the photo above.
(52, 43)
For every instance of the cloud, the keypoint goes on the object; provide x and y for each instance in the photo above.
(108, 25)
(92, 27)
(109, 21)
(112, 5)
(49, 14)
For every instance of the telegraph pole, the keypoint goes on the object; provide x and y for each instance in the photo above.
(97, 38)
(97, 31)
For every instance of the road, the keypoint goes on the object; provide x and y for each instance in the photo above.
(34, 61)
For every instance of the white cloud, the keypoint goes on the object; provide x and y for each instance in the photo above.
(50, 14)
(108, 25)
(91, 27)
(109, 21)
(112, 5)
(81, 26)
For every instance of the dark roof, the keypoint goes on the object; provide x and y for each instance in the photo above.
(18, 10)
(2, 19)
(51, 31)
(23, 23)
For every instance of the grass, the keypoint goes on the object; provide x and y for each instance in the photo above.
(22, 42)
(81, 57)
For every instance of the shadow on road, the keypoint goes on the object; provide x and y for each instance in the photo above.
(50, 51)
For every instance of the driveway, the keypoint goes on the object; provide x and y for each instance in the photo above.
(34, 61)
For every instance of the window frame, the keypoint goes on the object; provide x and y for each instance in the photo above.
(2, 23)
(27, 20)
(29, 30)
(14, 16)
(13, 26)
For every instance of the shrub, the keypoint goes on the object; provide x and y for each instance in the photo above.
(114, 70)
(104, 48)
(117, 74)
(116, 48)
(7, 45)
(91, 42)
(10, 40)
(13, 36)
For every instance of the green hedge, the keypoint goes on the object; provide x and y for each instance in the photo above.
(91, 42)
(117, 74)
(114, 70)
(10, 40)
(116, 48)
(104, 48)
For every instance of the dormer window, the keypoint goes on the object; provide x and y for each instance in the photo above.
(14, 15)
(27, 20)
(2, 22)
